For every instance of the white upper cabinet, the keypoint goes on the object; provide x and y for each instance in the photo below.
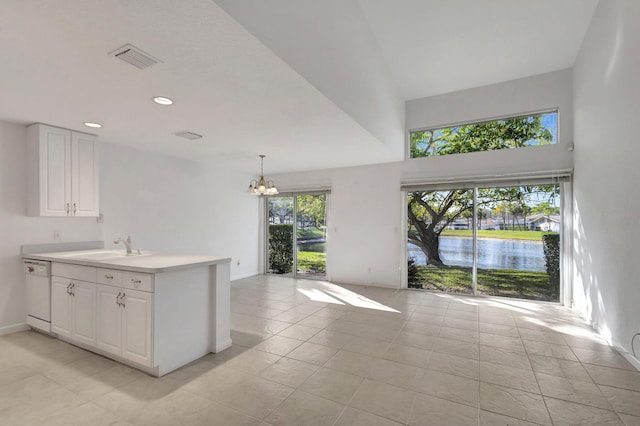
(63, 172)
(84, 175)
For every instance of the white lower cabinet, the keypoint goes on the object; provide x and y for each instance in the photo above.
(73, 309)
(136, 326)
(60, 307)
(109, 335)
(125, 323)
(94, 307)
(153, 321)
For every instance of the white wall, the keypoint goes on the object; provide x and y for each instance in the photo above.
(180, 206)
(366, 209)
(17, 229)
(607, 149)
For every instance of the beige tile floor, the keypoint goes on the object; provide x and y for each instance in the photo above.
(314, 353)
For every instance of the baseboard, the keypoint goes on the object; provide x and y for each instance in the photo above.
(13, 328)
(366, 284)
(628, 356)
(239, 277)
(221, 346)
(613, 343)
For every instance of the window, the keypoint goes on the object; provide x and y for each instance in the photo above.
(514, 132)
(491, 240)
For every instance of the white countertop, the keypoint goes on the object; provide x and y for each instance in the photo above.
(149, 262)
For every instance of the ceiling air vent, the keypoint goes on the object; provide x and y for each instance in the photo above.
(189, 135)
(134, 56)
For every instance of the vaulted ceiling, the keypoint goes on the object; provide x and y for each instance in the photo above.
(313, 84)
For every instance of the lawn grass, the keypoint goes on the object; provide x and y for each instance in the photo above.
(508, 235)
(312, 261)
(491, 282)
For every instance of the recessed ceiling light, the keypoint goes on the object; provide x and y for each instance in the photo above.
(94, 125)
(161, 100)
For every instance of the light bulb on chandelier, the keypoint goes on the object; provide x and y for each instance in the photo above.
(262, 186)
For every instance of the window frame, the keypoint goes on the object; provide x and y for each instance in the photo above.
(555, 110)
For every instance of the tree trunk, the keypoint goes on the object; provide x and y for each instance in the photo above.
(429, 243)
(425, 234)
(432, 250)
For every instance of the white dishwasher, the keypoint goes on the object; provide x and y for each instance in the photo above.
(38, 284)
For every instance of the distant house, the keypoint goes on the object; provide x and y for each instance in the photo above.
(491, 223)
(544, 222)
(459, 224)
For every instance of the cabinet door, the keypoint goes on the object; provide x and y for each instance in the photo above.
(60, 306)
(84, 175)
(109, 318)
(55, 171)
(84, 312)
(136, 326)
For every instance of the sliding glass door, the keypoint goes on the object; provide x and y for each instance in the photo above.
(311, 236)
(435, 260)
(492, 240)
(297, 235)
(518, 241)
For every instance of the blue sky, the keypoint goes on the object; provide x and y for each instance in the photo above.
(550, 121)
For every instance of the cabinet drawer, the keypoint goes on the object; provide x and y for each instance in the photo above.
(137, 281)
(110, 277)
(76, 272)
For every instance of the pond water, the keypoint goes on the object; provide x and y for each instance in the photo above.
(316, 246)
(492, 253)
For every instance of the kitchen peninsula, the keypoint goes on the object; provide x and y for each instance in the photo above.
(153, 311)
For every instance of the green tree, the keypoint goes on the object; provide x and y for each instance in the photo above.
(487, 136)
(501, 209)
(312, 210)
(430, 212)
(545, 207)
(280, 208)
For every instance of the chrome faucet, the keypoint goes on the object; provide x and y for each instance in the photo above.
(126, 242)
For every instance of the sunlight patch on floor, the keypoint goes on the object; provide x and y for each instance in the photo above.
(319, 296)
(578, 332)
(335, 294)
(522, 308)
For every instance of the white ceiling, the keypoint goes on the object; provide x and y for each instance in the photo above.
(226, 85)
(310, 90)
(440, 46)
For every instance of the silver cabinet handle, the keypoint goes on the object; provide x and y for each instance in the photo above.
(136, 281)
(72, 293)
(75, 208)
(69, 289)
(122, 300)
(118, 298)
(109, 277)
(68, 208)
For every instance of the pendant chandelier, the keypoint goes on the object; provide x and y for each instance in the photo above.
(262, 186)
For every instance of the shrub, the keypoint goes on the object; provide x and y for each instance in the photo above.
(281, 248)
(551, 247)
(412, 274)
